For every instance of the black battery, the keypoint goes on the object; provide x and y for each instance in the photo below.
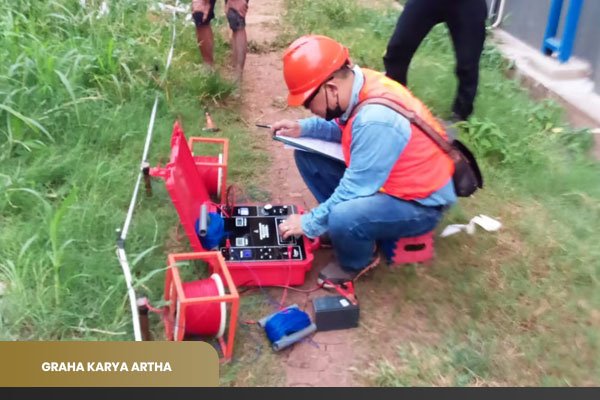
(335, 312)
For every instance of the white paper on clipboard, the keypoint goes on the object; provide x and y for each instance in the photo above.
(328, 149)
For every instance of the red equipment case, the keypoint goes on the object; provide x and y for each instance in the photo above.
(190, 179)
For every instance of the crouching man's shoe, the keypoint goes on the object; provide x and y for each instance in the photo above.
(333, 273)
(325, 241)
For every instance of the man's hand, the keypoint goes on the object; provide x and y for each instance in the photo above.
(292, 226)
(286, 127)
(202, 6)
(241, 6)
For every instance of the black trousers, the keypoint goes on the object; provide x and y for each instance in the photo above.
(466, 22)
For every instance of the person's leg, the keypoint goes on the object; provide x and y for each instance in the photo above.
(204, 34)
(321, 174)
(239, 40)
(416, 20)
(466, 22)
(239, 43)
(356, 225)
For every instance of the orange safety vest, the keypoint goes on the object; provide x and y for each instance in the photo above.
(422, 167)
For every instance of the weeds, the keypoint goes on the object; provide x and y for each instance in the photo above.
(514, 308)
(76, 89)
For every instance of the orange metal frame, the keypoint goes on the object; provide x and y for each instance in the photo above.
(225, 146)
(174, 293)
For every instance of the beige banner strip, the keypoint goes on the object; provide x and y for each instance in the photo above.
(108, 364)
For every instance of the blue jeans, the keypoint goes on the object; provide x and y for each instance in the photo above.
(356, 225)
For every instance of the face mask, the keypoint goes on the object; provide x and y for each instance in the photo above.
(336, 112)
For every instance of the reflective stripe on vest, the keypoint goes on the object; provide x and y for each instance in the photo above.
(422, 167)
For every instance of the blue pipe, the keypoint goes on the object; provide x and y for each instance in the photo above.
(552, 25)
(571, 23)
(551, 42)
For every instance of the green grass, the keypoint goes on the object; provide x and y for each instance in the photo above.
(76, 93)
(519, 307)
(75, 98)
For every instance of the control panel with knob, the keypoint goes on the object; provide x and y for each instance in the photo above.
(252, 234)
(271, 210)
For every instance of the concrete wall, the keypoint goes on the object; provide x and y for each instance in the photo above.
(526, 20)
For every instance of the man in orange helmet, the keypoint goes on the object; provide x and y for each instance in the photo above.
(395, 181)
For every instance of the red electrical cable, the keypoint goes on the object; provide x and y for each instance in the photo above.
(153, 309)
(204, 319)
(299, 290)
(220, 207)
(284, 295)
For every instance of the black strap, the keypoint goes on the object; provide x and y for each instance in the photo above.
(412, 117)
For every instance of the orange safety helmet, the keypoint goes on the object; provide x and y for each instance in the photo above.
(308, 62)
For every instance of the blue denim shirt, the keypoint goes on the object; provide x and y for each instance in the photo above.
(379, 136)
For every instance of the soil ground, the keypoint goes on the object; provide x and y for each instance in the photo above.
(329, 358)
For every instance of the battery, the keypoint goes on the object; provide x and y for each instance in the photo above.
(335, 312)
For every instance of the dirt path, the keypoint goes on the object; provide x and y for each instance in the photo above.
(324, 361)
(335, 358)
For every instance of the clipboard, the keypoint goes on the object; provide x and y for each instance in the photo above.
(332, 150)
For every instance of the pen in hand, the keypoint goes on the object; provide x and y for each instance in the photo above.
(266, 127)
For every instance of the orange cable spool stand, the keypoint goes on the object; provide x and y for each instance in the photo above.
(199, 307)
(212, 169)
